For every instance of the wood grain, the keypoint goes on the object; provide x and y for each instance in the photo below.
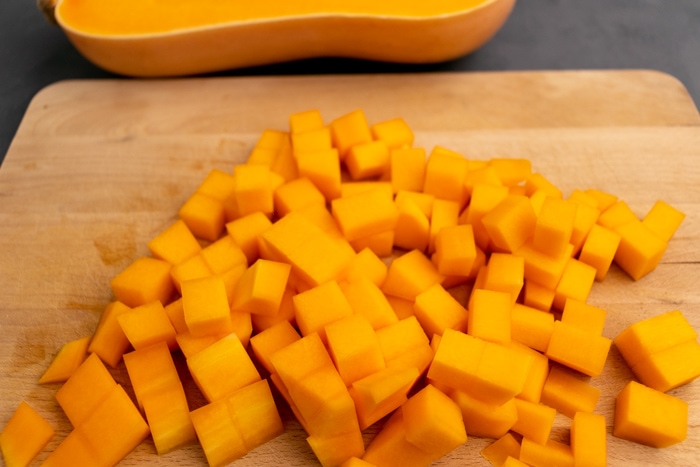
(97, 168)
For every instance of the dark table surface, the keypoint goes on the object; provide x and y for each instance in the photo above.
(540, 35)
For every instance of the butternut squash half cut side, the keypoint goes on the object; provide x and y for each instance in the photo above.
(185, 37)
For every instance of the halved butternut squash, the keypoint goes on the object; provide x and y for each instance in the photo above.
(184, 37)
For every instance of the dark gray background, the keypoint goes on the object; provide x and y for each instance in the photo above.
(540, 35)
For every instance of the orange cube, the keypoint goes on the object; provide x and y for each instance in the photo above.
(367, 160)
(505, 273)
(568, 393)
(444, 175)
(390, 447)
(348, 130)
(108, 341)
(410, 275)
(307, 120)
(575, 283)
(511, 223)
(297, 194)
(535, 420)
(24, 436)
(365, 214)
(260, 289)
(272, 339)
(483, 419)
(205, 306)
(174, 244)
(69, 357)
(589, 439)
(650, 417)
(565, 347)
(367, 300)
(663, 219)
(322, 168)
(552, 452)
(394, 132)
(503, 448)
(146, 325)
(405, 345)
(222, 367)
(354, 348)
(433, 422)
(407, 168)
(143, 281)
(554, 226)
(531, 327)
(599, 249)
(437, 310)
(490, 315)
(205, 216)
(640, 249)
(319, 306)
(412, 231)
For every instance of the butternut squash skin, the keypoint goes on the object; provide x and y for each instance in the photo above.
(210, 44)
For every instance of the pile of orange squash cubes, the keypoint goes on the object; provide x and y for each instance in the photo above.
(322, 272)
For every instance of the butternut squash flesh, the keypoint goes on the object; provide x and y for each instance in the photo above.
(182, 37)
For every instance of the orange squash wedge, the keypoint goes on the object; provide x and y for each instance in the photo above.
(185, 37)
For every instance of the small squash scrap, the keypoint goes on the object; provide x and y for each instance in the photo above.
(139, 38)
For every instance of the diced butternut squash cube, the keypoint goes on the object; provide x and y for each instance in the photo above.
(272, 339)
(433, 422)
(223, 255)
(412, 231)
(143, 281)
(147, 324)
(365, 214)
(603, 199)
(382, 243)
(315, 256)
(583, 315)
(24, 436)
(444, 175)
(484, 174)
(543, 269)
(490, 315)
(531, 327)
(354, 188)
(552, 452)
(69, 357)
(455, 250)
(205, 216)
(578, 349)
(368, 301)
(589, 439)
(85, 389)
(390, 447)
(245, 231)
(109, 341)
(484, 198)
(554, 226)
(513, 462)
(307, 120)
(538, 296)
(394, 132)
(255, 413)
(205, 306)
(575, 283)
(586, 218)
(640, 249)
(599, 249)
(114, 427)
(445, 213)
(219, 436)
(654, 334)
(382, 392)
(670, 368)
(505, 273)
(367, 264)
(568, 392)
(483, 419)
(511, 223)
(320, 306)
(322, 168)
(537, 181)
(218, 184)
(410, 275)
(646, 416)
(511, 171)
(437, 310)
(367, 160)
(663, 219)
(305, 142)
(356, 462)
(354, 348)
(160, 394)
(404, 344)
(504, 447)
(261, 287)
(407, 167)
(174, 244)
(334, 450)
(617, 214)
(537, 374)
(348, 130)
(195, 267)
(222, 367)
(254, 189)
(297, 194)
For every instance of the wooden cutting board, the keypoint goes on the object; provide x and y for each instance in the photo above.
(97, 168)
